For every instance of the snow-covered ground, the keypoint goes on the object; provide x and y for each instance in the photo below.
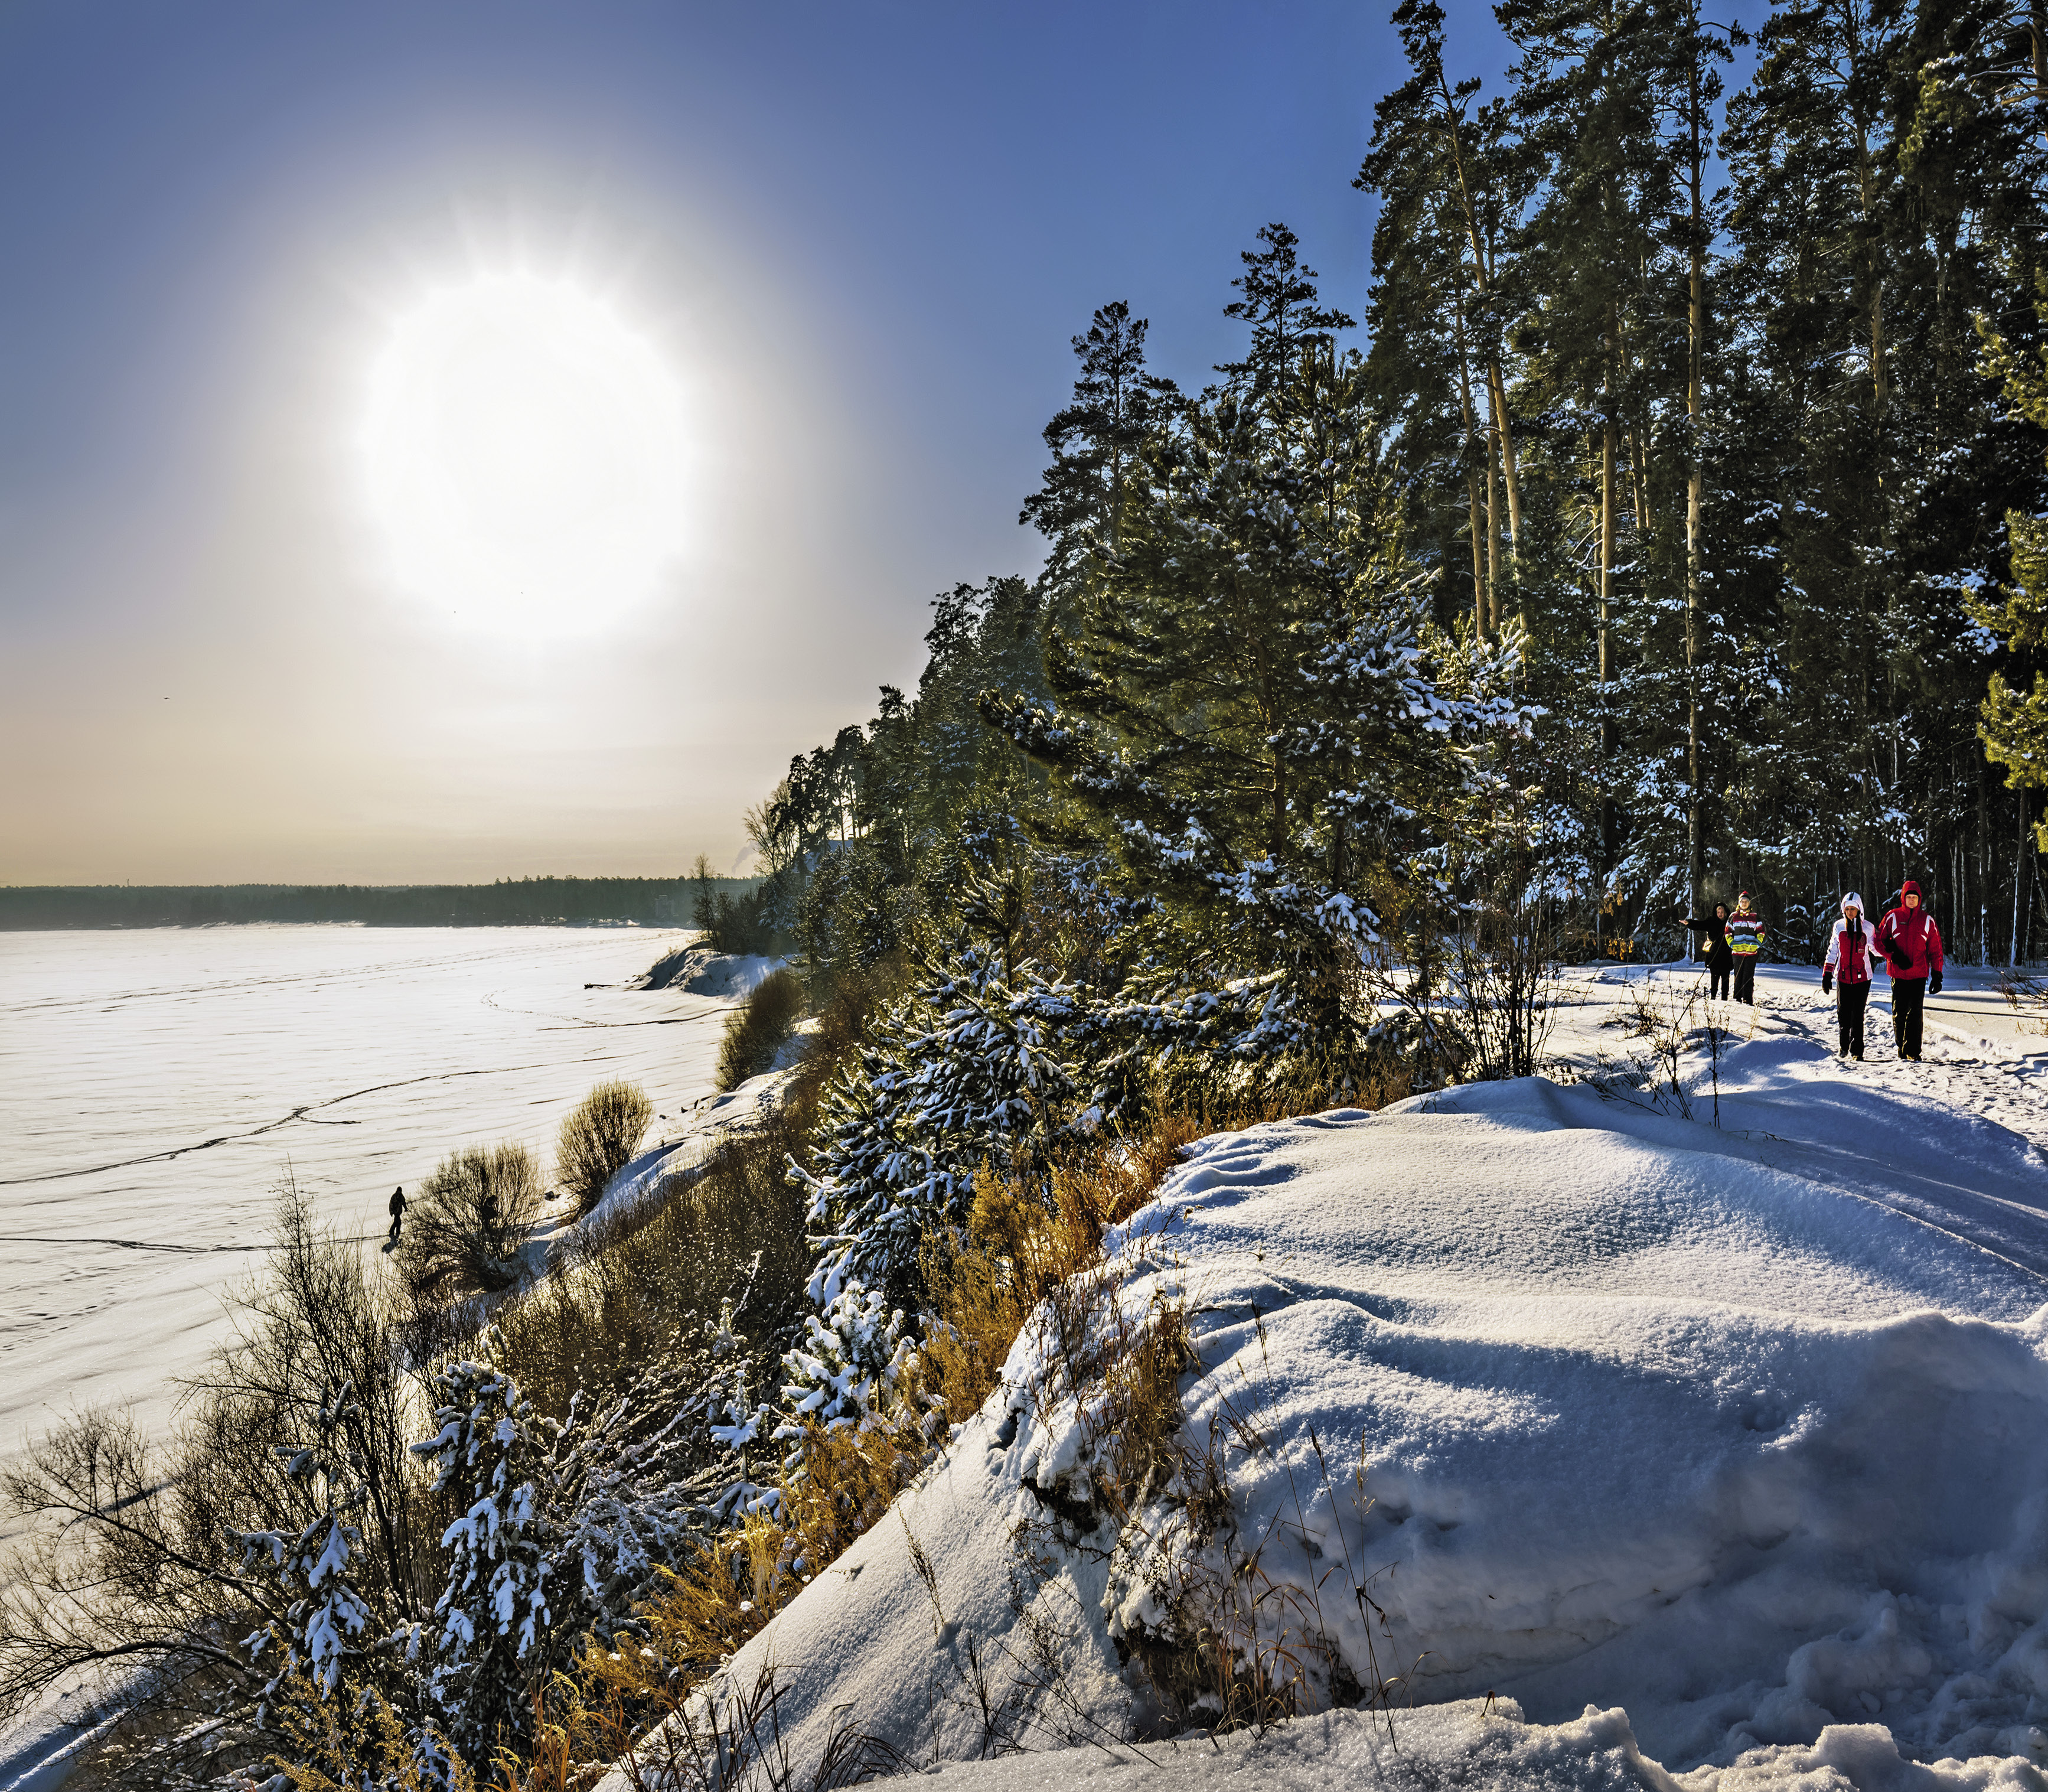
(1472, 1742)
(156, 1086)
(1740, 1429)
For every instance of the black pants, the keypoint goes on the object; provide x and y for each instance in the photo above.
(1850, 1001)
(1745, 981)
(1909, 996)
(1717, 980)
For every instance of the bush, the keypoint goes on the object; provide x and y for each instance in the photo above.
(640, 1288)
(598, 1139)
(760, 1027)
(464, 1231)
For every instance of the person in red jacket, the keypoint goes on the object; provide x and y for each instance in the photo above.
(1847, 972)
(1911, 944)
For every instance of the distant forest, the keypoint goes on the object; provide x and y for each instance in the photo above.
(525, 903)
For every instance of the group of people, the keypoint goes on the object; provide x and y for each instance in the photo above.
(1906, 941)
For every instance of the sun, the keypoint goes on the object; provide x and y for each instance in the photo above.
(526, 457)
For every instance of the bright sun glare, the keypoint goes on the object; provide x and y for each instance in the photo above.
(526, 456)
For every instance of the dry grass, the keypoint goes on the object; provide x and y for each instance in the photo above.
(1019, 1252)
(759, 1027)
(641, 1288)
(339, 1744)
(598, 1139)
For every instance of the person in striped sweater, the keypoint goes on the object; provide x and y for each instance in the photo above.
(1745, 939)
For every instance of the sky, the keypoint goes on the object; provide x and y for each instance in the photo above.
(446, 442)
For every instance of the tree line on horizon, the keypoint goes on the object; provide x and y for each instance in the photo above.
(507, 902)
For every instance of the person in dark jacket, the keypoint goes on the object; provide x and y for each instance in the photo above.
(1745, 937)
(1714, 949)
(1911, 944)
(1847, 971)
(397, 1213)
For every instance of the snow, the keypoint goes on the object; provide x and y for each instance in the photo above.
(699, 970)
(1736, 1434)
(1470, 1743)
(156, 1086)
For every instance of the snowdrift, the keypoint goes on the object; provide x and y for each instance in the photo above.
(699, 970)
(1470, 1743)
(1743, 1431)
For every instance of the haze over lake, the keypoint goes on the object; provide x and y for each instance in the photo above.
(157, 1086)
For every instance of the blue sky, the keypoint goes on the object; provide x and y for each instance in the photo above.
(862, 235)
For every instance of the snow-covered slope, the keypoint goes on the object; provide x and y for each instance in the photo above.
(1744, 1430)
(699, 970)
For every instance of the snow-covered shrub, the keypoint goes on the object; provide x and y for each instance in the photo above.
(970, 1069)
(732, 1585)
(598, 1138)
(325, 1623)
(464, 1230)
(561, 1527)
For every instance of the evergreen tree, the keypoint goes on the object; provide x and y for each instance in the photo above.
(1094, 440)
(326, 1624)
(2014, 724)
(1246, 706)
(561, 1525)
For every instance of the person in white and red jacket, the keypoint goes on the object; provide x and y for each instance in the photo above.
(1847, 972)
(1911, 946)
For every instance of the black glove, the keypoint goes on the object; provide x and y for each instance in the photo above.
(1827, 980)
(1934, 983)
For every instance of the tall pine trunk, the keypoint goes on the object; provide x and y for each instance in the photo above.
(1696, 859)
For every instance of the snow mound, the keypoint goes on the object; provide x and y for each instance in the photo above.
(1749, 1435)
(699, 970)
(1471, 1743)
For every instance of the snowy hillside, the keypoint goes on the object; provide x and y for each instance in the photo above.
(1742, 1428)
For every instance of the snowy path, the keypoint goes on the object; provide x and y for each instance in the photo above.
(1884, 1129)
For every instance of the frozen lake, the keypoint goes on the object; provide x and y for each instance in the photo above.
(156, 1086)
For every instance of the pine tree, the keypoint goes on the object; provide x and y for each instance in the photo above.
(2014, 724)
(1450, 188)
(1245, 705)
(1094, 439)
(969, 1071)
(326, 1624)
(561, 1525)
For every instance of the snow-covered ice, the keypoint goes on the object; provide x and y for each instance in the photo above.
(155, 1084)
(1742, 1429)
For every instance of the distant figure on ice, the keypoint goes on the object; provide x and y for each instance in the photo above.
(397, 1213)
(1713, 939)
(1745, 937)
(1847, 972)
(1911, 944)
